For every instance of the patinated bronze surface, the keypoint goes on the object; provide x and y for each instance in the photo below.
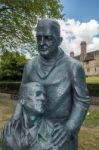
(67, 98)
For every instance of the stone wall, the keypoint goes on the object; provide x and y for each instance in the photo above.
(92, 67)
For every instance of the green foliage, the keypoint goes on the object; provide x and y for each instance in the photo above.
(10, 87)
(19, 17)
(92, 80)
(11, 65)
(93, 89)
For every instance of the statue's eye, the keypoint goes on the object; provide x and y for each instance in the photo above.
(48, 37)
(39, 38)
(45, 37)
(38, 93)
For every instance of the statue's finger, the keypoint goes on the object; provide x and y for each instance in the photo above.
(56, 135)
(59, 139)
(56, 124)
(57, 128)
(3, 133)
(9, 129)
(16, 125)
(12, 123)
(63, 140)
(6, 128)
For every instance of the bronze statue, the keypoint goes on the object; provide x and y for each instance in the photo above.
(29, 130)
(23, 131)
(67, 95)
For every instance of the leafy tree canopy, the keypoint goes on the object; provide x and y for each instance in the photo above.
(18, 17)
(11, 65)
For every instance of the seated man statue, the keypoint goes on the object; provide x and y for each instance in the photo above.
(28, 130)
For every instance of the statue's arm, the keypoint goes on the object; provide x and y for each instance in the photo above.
(16, 118)
(80, 99)
(18, 108)
(28, 70)
(25, 74)
(18, 111)
(80, 105)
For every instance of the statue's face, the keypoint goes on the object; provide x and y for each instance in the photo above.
(34, 100)
(47, 40)
(38, 100)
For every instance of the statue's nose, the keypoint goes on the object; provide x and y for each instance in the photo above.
(22, 101)
(41, 97)
(42, 40)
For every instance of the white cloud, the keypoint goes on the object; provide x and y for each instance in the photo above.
(94, 45)
(73, 32)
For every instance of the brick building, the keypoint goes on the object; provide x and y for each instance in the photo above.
(89, 60)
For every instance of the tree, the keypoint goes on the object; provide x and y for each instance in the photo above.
(18, 18)
(11, 65)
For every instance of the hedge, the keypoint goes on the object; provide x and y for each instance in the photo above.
(93, 89)
(13, 87)
(9, 87)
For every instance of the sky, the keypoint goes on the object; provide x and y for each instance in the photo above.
(82, 10)
(81, 24)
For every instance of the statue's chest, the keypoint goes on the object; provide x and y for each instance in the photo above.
(49, 77)
(57, 82)
(57, 85)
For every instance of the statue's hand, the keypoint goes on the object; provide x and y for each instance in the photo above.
(15, 123)
(60, 135)
(7, 136)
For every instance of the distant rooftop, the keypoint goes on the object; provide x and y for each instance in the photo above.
(89, 56)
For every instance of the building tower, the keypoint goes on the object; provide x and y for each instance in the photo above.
(72, 54)
(83, 50)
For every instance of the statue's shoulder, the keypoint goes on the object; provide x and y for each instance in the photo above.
(73, 64)
(31, 63)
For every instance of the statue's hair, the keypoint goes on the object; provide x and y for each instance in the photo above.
(30, 86)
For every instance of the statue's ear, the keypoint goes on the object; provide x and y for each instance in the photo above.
(60, 40)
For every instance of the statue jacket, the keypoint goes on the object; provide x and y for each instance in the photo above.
(66, 91)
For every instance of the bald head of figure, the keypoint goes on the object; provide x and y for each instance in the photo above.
(48, 26)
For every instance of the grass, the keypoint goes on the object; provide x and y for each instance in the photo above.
(92, 79)
(92, 118)
(89, 138)
(89, 133)
(6, 110)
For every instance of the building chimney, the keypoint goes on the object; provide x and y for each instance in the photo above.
(83, 50)
(72, 54)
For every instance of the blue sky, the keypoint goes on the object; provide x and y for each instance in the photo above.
(81, 24)
(82, 10)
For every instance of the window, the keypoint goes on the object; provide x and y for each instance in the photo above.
(87, 62)
(88, 69)
(95, 70)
